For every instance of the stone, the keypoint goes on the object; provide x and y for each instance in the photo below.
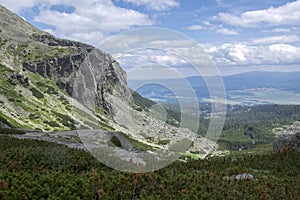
(17, 78)
(244, 176)
(287, 142)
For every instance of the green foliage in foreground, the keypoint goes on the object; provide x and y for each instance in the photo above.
(11, 131)
(42, 170)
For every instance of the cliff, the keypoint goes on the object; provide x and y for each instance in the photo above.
(64, 62)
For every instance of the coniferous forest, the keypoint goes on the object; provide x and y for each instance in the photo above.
(41, 170)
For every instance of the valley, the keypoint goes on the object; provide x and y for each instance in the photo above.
(73, 126)
(252, 88)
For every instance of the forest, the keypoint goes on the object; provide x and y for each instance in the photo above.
(32, 169)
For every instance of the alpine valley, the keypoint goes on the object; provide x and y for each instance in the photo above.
(71, 128)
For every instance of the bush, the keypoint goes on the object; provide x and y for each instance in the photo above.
(36, 93)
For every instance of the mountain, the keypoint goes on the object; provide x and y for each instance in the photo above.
(287, 81)
(45, 71)
(49, 84)
(246, 88)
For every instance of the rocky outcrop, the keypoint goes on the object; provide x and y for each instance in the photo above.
(52, 41)
(17, 78)
(285, 142)
(83, 71)
(87, 73)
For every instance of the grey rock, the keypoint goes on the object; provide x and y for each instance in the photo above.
(287, 142)
(17, 78)
(244, 176)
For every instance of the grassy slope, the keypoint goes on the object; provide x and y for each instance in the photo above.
(42, 106)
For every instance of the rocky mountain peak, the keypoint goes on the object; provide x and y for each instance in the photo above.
(23, 47)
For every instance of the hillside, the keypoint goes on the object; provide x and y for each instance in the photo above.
(40, 73)
(49, 84)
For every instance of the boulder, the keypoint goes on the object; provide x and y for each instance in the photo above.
(287, 142)
(244, 176)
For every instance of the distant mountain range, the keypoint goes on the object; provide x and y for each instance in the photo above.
(246, 88)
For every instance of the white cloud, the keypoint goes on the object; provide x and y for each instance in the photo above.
(151, 57)
(208, 24)
(287, 14)
(195, 27)
(15, 6)
(281, 30)
(277, 39)
(155, 4)
(283, 48)
(154, 64)
(91, 21)
(218, 28)
(226, 31)
(238, 54)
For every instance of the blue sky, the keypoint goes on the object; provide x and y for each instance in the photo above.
(239, 36)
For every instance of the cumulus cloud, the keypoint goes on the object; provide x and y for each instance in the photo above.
(281, 30)
(172, 63)
(226, 31)
(151, 57)
(218, 28)
(18, 5)
(195, 27)
(240, 54)
(90, 22)
(287, 14)
(155, 4)
(276, 39)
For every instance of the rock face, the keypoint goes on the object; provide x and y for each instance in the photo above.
(88, 72)
(79, 69)
(287, 142)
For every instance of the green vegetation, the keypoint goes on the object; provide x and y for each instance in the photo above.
(163, 142)
(66, 120)
(141, 102)
(246, 128)
(43, 170)
(36, 93)
(250, 127)
(33, 51)
(136, 144)
(8, 121)
(42, 106)
(11, 131)
(105, 126)
(116, 141)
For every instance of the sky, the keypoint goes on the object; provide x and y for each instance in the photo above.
(237, 35)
